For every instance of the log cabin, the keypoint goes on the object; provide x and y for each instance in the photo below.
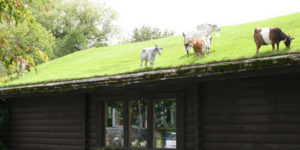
(250, 104)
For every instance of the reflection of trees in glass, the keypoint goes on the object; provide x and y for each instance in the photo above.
(165, 123)
(165, 113)
(138, 121)
(114, 114)
(138, 111)
(114, 124)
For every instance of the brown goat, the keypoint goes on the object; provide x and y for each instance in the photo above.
(197, 45)
(265, 36)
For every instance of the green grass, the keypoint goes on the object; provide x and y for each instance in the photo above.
(236, 42)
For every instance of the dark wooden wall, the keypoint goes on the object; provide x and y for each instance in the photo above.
(251, 114)
(257, 113)
(53, 122)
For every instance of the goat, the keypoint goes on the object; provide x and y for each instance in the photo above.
(265, 36)
(21, 65)
(201, 31)
(149, 54)
(207, 41)
(198, 45)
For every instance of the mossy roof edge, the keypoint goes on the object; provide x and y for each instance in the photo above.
(192, 71)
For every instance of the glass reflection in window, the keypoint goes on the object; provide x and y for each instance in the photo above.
(114, 124)
(138, 123)
(164, 123)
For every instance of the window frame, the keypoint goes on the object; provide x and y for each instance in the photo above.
(150, 98)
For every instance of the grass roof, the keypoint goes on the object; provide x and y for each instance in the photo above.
(236, 42)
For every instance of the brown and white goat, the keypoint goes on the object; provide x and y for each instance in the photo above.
(200, 45)
(265, 36)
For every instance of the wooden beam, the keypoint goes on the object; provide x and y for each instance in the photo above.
(86, 121)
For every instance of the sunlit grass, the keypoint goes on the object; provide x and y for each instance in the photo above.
(236, 42)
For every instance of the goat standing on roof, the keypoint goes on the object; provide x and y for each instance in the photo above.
(149, 54)
(200, 45)
(265, 36)
(201, 31)
(22, 64)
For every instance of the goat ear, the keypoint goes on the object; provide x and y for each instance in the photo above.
(183, 34)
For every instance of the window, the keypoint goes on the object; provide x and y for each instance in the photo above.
(149, 123)
(164, 123)
(138, 123)
(114, 124)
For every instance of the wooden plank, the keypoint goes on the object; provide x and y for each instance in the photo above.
(21, 134)
(49, 116)
(39, 109)
(253, 138)
(126, 124)
(46, 122)
(250, 146)
(85, 128)
(253, 110)
(150, 119)
(27, 146)
(50, 141)
(100, 131)
(252, 119)
(180, 121)
(253, 128)
(46, 128)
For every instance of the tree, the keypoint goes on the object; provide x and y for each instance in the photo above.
(147, 33)
(12, 13)
(32, 36)
(67, 44)
(94, 22)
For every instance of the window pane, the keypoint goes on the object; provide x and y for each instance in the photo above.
(165, 123)
(114, 124)
(138, 123)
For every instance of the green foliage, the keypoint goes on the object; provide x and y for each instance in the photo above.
(68, 18)
(31, 41)
(164, 111)
(13, 11)
(146, 33)
(15, 37)
(33, 36)
(236, 42)
(66, 45)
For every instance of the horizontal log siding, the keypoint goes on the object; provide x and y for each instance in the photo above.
(52, 122)
(252, 114)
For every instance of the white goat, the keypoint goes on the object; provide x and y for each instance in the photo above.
(149, 54)
(207, 41)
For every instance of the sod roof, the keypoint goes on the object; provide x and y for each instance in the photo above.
(113, 64)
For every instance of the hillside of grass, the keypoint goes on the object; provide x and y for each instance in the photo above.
(236, 42)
